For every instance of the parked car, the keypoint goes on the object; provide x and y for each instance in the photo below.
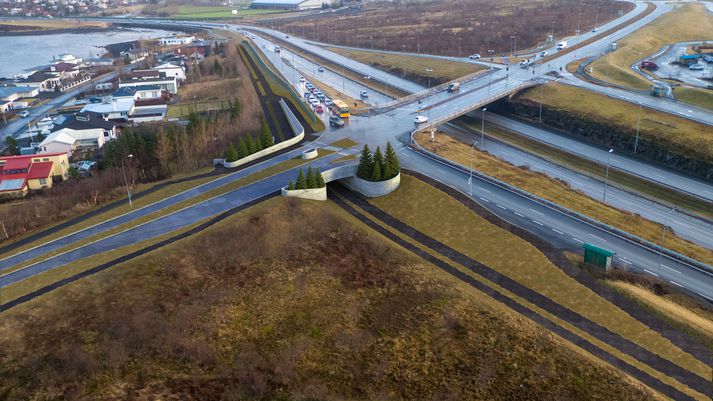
(708, 59)
(336, 121)
(80, 102)
(420, 119)
(320, 69)
(695, 67)
(474, 56)
(364, 95)
(24, 114)
(319, 109)
(85, 165)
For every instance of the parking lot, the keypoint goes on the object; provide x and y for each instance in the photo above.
(670, 69)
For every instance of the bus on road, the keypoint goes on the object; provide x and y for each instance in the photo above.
(340, 108)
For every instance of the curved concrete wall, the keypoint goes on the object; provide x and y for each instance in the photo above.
(297, 129)
(372, 189)
(310, 154)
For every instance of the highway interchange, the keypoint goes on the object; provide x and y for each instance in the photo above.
(551, 224)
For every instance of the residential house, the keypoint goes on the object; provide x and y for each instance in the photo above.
(43, 81)
(144, 74)
(20, 174)
(141, 92)
(176, 40)
(116, 109)
(81, 131)
(169, 84)
(64, 70)
(171, 70)
(12, 93)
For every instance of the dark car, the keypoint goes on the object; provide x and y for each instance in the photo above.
(336, 121)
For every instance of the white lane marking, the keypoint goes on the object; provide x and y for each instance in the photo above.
(533, 210)
(710, 299)
(557, 231)
(537, 222)
(650, 272)
(578, 240)
(625, 261)
(483, 189)
(501, 206)
(675, 283)
(519, 214)
(599, 238)
(483, 199)
(673, 270)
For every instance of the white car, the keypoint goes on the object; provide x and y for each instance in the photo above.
(474, 56)
(302, 79)
(314, 102)
(695, 67)
(24, 114)
(595, 29)
(544, 54)
(363, 94)
(367, 77)
(420, 119)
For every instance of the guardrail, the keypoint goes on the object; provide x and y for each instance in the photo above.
(280, 81)
(568, 212)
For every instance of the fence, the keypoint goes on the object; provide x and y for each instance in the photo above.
(568, 212)
(267, 70)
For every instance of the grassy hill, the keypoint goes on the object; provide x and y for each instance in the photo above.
(287, 300)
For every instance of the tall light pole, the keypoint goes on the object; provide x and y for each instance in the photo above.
(429, 71)
(638, 126)
(542, 90)
(470, 179)
(126, 182)
(663, 236)
(596, 17)
(606, 176)
(482, 130)
(459, 39)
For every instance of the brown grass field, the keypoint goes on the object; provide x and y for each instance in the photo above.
(287, 300)
(436, 26)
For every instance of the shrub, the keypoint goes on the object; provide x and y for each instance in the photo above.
(290, 186)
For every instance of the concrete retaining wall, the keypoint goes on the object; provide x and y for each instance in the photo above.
(310, 154)
(297, 129)
(319, 194)
(372, 189)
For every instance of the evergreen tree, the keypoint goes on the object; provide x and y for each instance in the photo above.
(235, 108)
(231, 154)
(378, 161)
(301, 181)
(320, 180)
(376, 173)
(11, 145)
(311, 181)
(391, 161)
(217, 68)
(242, 148)
(365, 164)
(250, 144)
(265, 136)
(291, 186)
(258, 143)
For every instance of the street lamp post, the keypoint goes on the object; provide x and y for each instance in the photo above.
(429, 71)
(638, 125)
(459, 39)
(126, 182)
(606, 176)
(542, 89)
(482, 130)
(470, 179)
(663, 237)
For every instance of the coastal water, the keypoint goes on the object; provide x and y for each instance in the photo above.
(18, 53)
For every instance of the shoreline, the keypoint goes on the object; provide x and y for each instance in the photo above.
(40, 32)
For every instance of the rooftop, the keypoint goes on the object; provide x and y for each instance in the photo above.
(6, 91)
(83, 121)
(117, 105)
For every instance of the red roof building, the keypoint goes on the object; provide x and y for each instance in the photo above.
(19, 174)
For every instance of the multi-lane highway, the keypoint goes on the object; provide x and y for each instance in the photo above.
(548, 222)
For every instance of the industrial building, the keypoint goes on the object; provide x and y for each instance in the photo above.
(288, 4)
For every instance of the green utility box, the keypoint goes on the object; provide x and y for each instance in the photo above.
(597, 256)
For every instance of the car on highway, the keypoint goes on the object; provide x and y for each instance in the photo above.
(320, 69)
(595, 29)
(363, 94)
(708, 59)
(24, 114)
(367, 77)
(314, 102)
(474, 56)
(695, 67)
(302, 79)
(544, 54)
(420, 119)
(328, 102)
(319, 109)
(80, 102)
(336, 121)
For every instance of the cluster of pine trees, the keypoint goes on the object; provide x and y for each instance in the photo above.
(378, 167)
(312, 180)
(250, 145)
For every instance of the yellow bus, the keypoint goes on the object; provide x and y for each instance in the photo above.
(340, 108)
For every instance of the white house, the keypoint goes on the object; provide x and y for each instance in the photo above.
(12, 93)
(172, 70)
(141, 92)
(80, 131)
(176, 40)
(43, 81)
(112, 109)
(169, 84)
